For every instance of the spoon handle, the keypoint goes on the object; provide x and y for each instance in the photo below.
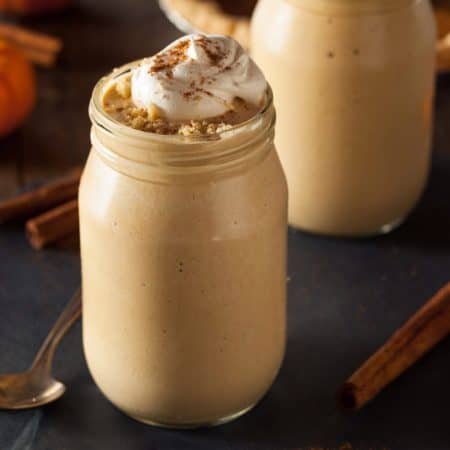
(68, 317)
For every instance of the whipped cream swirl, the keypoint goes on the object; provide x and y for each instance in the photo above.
(198, 77)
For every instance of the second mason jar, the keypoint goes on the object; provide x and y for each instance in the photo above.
(183, 247)
(353, 82)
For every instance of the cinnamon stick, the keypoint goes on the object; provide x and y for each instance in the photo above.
(40, 48)
(442, 14)
(416, 337)
(42, 58)
(34, 202)
(443, 54)
(53, 225)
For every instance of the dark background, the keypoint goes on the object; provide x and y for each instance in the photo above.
(345, 297)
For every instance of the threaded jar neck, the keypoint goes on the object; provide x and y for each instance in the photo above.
(136, 151)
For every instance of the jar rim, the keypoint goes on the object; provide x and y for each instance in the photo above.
(144, 154)
(101, 118)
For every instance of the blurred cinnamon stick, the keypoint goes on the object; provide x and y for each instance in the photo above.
(38, 47)
(416, 337)
(40, 57)
(53, 225)
(48, 196)
(443, 54)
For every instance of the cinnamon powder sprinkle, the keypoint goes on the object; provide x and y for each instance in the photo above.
(165, 62)
(168, 60)
(194, 93)
(216, 56)
(212, 49)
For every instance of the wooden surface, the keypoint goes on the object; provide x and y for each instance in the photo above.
(345, 297)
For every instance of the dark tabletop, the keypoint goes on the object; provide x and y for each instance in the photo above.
(345, 297)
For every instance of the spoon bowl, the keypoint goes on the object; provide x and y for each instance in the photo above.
(36, 386)
(28, 390)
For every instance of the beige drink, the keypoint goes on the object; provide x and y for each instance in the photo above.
(353, 86)
(183, 244)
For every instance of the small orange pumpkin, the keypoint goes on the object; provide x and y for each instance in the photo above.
(17, 87)
(23, 7)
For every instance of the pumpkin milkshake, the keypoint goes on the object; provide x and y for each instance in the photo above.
(183, 213)
(354, 85)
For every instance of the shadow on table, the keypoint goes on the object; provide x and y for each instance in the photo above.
(299, 412)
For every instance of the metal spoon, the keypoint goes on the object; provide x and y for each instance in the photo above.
(36, 386)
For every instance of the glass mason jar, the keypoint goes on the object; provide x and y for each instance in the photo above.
(353, 82)
(183, 247)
